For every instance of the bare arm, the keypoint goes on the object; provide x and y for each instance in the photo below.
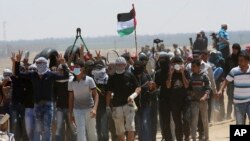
(211, 78)
(185, 80)
(96, 100)
(223, 86)
(169, 80)
(108, 98)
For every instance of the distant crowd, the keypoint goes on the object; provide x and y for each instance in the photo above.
(82, 97)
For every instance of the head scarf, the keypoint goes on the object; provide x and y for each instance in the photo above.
(42, 65)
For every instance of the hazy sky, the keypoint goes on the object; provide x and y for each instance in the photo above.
(36, 19)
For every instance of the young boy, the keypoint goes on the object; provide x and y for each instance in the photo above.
(199, 85)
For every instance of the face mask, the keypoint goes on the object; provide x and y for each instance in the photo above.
(77, 71)
(120, 69)
(42, 68)
(99, 74)
(138, 70)
(177, 67)
(163, 65)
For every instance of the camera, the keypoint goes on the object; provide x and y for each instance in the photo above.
(157, 41)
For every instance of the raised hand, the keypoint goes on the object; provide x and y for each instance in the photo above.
(98, 54)
(19, 55)
(13, 57)
(61, 59)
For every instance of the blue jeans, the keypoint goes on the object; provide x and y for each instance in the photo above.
(30, 123)
(144, 123)
(102, 124)
(86, 126)
(241, 109)
(63, 128)
(43, 120)
(17, 121)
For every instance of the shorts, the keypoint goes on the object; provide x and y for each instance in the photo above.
(123, 117)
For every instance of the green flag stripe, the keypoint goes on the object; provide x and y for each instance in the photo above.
(126, 31)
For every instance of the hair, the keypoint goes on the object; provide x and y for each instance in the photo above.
(80, 63)
(126, 56)
(236, 46)
(245, 55)
(177, 59)
(138, 63)
(196, 62)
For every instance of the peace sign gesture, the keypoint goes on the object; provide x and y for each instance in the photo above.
(60, 59)
(19, 55)
(98, 54)
(13, 57)
(16, 57)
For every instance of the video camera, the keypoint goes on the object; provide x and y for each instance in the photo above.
(157, 41)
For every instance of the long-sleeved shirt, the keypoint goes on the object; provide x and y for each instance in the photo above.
(207, 69)
(42, 86)
(199, 85)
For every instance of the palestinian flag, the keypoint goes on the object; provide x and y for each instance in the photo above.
(126, 23)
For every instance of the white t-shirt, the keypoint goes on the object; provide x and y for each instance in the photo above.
(82, 92)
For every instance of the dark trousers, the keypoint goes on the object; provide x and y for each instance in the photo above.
(102, 124)
(154, 118)
(230, 90)
(225, 52)
(164, 110)
(18, 122)
(177, 101)
(143, 123)
(187, 119)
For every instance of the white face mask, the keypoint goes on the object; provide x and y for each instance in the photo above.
(177, 67)
(120, 69)
(42, 68)
(77, 71)
(99, 74)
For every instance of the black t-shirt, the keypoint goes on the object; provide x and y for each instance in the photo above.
(17, 90)
(122, 85)
(176, 82)
(61, 94)
(145, 97)
(28, 94)
(102, 95)
(177, 86)
(161, 77)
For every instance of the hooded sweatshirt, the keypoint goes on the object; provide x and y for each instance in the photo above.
(232, 60)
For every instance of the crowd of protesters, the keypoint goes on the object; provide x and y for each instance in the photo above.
(79, 99)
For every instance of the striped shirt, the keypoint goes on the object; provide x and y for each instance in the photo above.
(241, 84)
(199, 85)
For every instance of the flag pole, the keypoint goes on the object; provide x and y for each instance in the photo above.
(135, 30)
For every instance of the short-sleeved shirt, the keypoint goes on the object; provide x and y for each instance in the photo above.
(222, 35)
(82, 92)
(160, 80)
(241, 84)
(122, 85)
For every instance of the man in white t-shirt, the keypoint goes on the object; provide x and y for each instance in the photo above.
(83, 102)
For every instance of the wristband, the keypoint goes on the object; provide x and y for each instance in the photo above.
(133, 96)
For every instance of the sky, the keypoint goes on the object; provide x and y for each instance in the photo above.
(38, 19)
